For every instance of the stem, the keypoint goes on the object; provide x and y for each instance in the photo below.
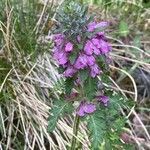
(75, 132)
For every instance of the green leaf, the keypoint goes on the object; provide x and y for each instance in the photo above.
(90, 87)
(96, 126)
(72, 57)
(137, 41)
(69, 84)
(83, 74)
(61, 70)
(105, 79)
(59, 109)
(80, 46)
(123, 29)
(106, 124)
(89, 35)
(102, 61)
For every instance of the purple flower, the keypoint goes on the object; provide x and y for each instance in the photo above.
(60, 56)
(58, 36)
(58, 39)
(96, 46)
(103, 99)
(94, 70)
(96, 42)
(102, 24)
(88, 48)
(90, 60)
(92, 46)
(69, 47)
(85, 108)
(105, 48)
(81, 62)
(79, 38)
(100, 34)
(91, 26)
(69, 72)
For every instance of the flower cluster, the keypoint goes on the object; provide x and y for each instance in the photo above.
(86, 56)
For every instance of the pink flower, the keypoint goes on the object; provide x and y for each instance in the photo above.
(60, 57)
(58, 36)
(105, 48)
(90, 60)
(81, 62)
(92, 46)
(102, 24)
(100, 34)
(94, 70)
(69, 72)
(69, 47)
(96, 42)
(88, 48)
(91, 26)
(58, 39)
(103, 99)
(79, 38)
(85, 108)
(96, 46)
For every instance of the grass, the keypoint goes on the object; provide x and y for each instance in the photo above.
(28, 73)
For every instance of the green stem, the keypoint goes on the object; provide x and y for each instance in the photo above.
(75, 132)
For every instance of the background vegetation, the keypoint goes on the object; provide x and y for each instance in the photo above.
(28, 73)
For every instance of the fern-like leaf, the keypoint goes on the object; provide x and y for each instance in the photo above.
(90, 86)
(59, 109)
(97, 129)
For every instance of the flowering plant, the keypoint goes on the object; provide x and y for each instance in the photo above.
(81, 50)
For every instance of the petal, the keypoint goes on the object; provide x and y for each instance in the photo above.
(81, 62)
(69, 72)
(89, 108)
(102, 24)
(90, 60)
(100, 34)
(97, 51)
(95, 46)
(96, 42)
(69, 47)
(95, 70)
(105, 48)
(58, 42)
(61, 57)
(63, 60)
(57, 53)
(80, 111)
(91, 26)
(58, 39)
(103, 99)
(88, 48)
(79, 38)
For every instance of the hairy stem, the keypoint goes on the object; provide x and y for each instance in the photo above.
(75, 132)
